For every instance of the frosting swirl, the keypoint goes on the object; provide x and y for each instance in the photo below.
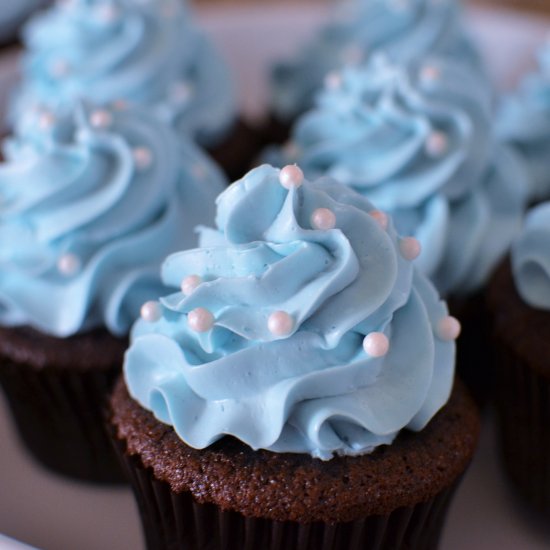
(416, 140)
(269, 345)
(88, 208)
(524, 122)
(148, 53)
(531, 260)
(405, 30)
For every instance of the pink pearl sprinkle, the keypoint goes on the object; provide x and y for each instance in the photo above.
(101, 119)
(280, 323)
(376, 344)
(380, 217)
(333, 80)
(291, 177)
(151, 311)
(68, 265)
(200, 320)
(323, 219)
(437, 144)
(429, 73)
(190, 284)
(143, 157)
(448, 329)
(410, 248)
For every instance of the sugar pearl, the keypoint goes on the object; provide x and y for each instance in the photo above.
(151, 311)
(429, 74)
(101, 119)
(376, 344)
(143, 157)
(190, 284)
(437, 144)
(280, 323)
(291, 177)
(333, 80)
(448, 329)
(120, 104)
(68, 265)
(380, 217)
(200, 320)
(323, 219)
(46, 120)
(410, 248)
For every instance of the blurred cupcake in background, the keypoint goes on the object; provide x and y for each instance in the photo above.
(417, 141)
(90, 203)
(524, 122)
(405, 29)
(147, 53)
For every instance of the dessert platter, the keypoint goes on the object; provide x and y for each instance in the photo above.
(353, 434)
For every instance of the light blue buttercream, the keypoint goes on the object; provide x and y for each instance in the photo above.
(524, 121)
(314, 391)
(371, 129)
(148, 53)
(405, 30)
(68, 190)
(531, 258)
(13, 13)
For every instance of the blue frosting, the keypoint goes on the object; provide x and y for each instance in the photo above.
(148, 53)
(524, 121)
(87, 215)
(531, 258)
(404, 29)
(372, 129)
(314, 390)
(13, 13)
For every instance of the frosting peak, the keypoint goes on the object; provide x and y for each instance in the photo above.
(290, 337)
(89, 205)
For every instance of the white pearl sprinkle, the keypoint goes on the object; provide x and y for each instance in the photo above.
(410, 248)
(429, 74)
(181, 92)
(437, 144)
(448, 329)
(46, 120)
(200, 320)
(190, 284)
(101, 119)
(68, 265)
(151, 311)
(106, 13)
(380, 217)
(60, 68)
(291, 177)
(323, 219)
(280, 323)
(376, 344)
(143, 157)
(333, 80)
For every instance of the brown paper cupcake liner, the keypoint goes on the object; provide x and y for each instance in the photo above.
(177, 521)
(523, 407)
(59, 417)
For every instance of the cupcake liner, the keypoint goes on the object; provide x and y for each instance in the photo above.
(178, 521)
(59, 415)
(523, 407)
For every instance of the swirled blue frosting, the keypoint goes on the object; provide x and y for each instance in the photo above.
(524, 122)
(405, 30)
(148, 53)
(87, 214)
(417, 141)
(531, 258)
(314, 390)
(12, 15)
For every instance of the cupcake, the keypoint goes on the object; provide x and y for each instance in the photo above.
(89, 206)
(417, 141)
(405, 30)
(524, 122)
(296, 392)
(518, 299)
(147, 53)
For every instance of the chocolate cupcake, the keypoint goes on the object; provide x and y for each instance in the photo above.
(147, 53)
(90, 204)
(303, 358)
(404, 31)
(518, 299)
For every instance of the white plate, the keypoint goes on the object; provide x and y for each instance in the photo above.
(55, 514)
